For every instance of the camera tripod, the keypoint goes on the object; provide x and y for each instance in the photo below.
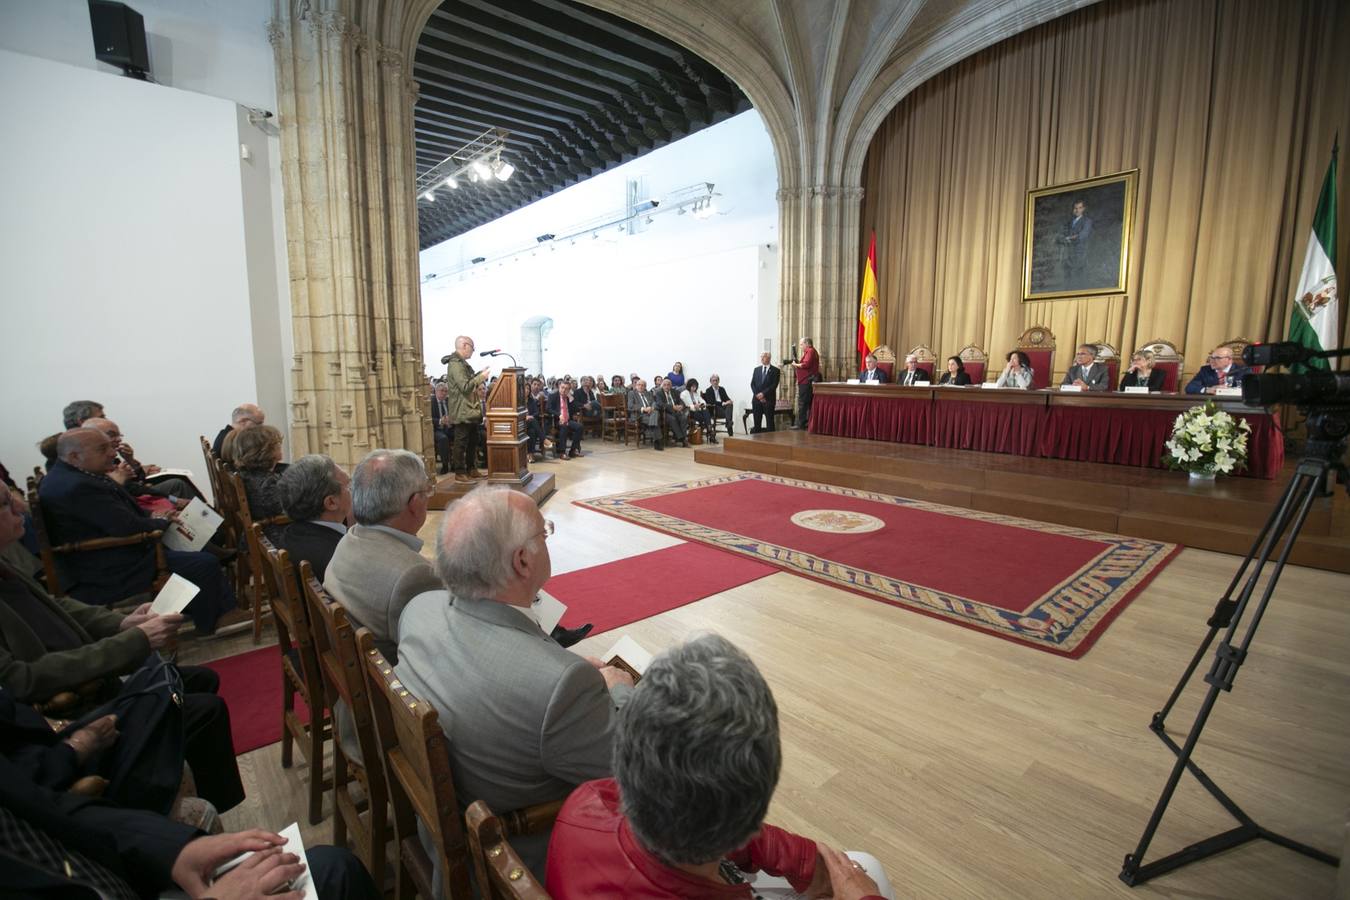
(1327, 433)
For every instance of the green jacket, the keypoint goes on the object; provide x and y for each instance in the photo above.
(463, 404)
(33, 675)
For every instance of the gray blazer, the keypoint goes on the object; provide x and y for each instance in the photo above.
(635, 404)
(527, 721)
(373, 575)
(1094, 376)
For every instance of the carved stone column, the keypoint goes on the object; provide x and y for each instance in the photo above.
(345, 114)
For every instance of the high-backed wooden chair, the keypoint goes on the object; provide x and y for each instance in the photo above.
(885, 361)
(1038, 343)
(1109, 356)
(975, 360)
(212, 468)
(260, 597)
(925, 358)
(417, 772)
(365, 817)
(49, 552)
(299, 672)
(1237, 345)
(1168, 361)
(613, 417)
(498, 869)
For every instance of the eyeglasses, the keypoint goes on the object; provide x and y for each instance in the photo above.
(548, 530)
(424, 492)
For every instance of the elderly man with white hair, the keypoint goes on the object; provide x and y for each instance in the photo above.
(245, 415)
(378, 565)
(527, 721)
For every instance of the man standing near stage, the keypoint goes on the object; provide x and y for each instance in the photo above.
(465, 409)
(808, 373)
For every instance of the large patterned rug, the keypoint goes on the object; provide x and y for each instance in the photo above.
(1052, 587)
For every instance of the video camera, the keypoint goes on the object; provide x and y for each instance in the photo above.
(1307, 389)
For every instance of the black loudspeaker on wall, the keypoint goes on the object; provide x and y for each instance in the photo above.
(119, 37)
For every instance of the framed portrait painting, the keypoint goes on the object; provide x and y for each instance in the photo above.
(1078, 238)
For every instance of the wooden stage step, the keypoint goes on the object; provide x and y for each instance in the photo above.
(1224, 515)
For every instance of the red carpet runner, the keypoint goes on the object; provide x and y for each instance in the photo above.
(1052, 587)
(250, 684)
(624, 591)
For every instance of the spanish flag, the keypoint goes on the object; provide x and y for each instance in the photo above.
(869, 308)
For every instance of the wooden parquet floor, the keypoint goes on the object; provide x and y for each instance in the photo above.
(975, 768)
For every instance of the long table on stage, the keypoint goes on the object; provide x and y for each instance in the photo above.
(1102, 427)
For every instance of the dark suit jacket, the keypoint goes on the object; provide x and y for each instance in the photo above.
(878, 375)
(920, 376)
(1155, 380)
(80, 506)
(1095, 376)
(715, 397)
(435, 416)
(220, 439)
(574, 406)
(662, 404)
(1208, 378)
(311, 541)
(32, 674)
(962, 377)
(767, 383)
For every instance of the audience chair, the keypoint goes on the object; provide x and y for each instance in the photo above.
(1168, 361)
(1038, 343)
(299, 672)
(211, 465)
(49, 553)
(1109, 356)
(975, 360)
(886, 361)
(498, 869)
(364, 816)
(260, 597)
(417, 772)
(926, 360)
(613, 414)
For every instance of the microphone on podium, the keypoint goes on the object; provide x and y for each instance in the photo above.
(491, 352)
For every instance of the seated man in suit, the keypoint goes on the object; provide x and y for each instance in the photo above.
(138, 481)
(642, 407)
(77, 412)
(871, 373)
(527, 721)
(912, 374)
(719, 401)
(764, 390)
(378, 565)
(245, 415)
(81, 503)
(1086, 372)
(589, 396)
(676, 414)
(440, 425)
(565, 407)
(316, 494)
(1221, 372)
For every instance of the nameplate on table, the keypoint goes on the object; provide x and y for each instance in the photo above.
(853, 381)
(1228, 392)
(991, 384)
(1071, 388)
(1137, 389)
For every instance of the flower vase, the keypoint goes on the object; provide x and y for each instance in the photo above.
(1202, 477)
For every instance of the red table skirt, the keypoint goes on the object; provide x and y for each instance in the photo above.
(1121, 436)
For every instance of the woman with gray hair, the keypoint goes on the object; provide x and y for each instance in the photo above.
(696, 762)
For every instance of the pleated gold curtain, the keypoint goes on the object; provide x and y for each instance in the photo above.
(1228, 109)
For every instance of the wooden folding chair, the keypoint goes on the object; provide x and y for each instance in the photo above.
(417, 771)
(365, 817)
(299, 672)
(498, 869)
(260, 598)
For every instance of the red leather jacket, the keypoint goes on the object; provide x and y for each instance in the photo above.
(593, 853)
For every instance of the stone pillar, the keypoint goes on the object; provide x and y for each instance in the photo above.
(345, 114)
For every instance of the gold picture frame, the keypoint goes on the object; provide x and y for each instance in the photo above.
(1073, 252)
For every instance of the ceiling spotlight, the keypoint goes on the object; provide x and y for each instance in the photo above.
(481, 169)
(649, 220)
(451, 183)
(621, 228)
(429, 197)
(646, 205)
(478, 259)
(544, 237)
(504, 170)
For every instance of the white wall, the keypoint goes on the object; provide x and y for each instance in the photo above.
(704, 292)
(123, 266)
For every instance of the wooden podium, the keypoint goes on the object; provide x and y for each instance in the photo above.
(507, 457)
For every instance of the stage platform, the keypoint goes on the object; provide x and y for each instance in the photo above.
(1160, 505)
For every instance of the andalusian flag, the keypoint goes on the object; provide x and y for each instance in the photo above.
(1314, 320)
(869, 308)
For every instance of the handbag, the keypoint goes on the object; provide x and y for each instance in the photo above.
(144, 766)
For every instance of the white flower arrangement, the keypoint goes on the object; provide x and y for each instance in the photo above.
(1207, 441)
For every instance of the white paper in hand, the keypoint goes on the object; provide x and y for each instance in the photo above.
(628, 655)
(197, 523)
(550, 611)
(174, 597)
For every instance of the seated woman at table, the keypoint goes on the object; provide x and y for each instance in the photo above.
(956, 372)
(1142, 373)
(1017, 373)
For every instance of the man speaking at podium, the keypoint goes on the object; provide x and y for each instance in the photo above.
(466, 410)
